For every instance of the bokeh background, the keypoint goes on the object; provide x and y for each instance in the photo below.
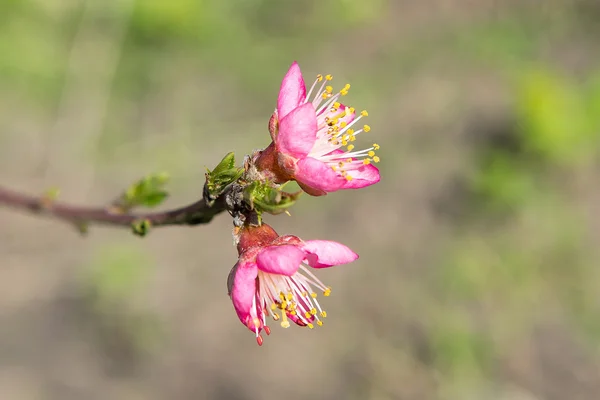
(479, 275)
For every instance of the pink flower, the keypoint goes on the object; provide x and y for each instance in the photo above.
(272, 278)
(313, 140)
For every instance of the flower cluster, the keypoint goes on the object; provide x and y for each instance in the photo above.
(313, 136)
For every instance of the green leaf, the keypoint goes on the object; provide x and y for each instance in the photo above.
(221, 176)
(147, 192)
(264, 198)
(154, 199)
(227, 163)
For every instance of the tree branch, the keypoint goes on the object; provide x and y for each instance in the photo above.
(197, 213)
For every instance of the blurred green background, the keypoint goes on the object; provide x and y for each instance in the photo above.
(478, 276)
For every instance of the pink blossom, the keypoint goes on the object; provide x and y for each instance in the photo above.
(272, 278)
(313, 139)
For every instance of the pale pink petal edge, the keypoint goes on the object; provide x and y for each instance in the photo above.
(292, 92)
(326, 253)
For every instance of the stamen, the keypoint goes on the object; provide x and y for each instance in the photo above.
(319, 79)
(284, 321)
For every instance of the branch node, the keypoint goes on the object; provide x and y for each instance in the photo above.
(141, 227)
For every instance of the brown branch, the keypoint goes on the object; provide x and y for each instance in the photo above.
(197, 213)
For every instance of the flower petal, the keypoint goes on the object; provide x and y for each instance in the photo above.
(364, 176)
(292, 92)
(318, 175)
(241, 284)
(298, 131)
(282, 260)
(325, 253)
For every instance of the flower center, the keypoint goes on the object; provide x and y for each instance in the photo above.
(292, 296)
(337, 129)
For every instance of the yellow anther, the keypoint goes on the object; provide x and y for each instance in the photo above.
(328, 77)
(327, 292)
(325, 95)
(333, 167)
(323, 314)
(313, 295)
(351, 110)
(284, 321)
(343, 124)
(364, 113)
(313, 311)
(352, 138)
(350, 147)
(344, 143)
(307, 314)
(350, 132)
(289, 296)
(337, 105)
(320, 323)
(343, 92)
(273, 306)
(347, 86)
(375, 146)
(366, 128)
(310, 325)
(367, 161)
(371, 153)
(348, 178)
(293, 312)
(319, 77)
(328, 89)
(348, 160)
(376, 159)
(283, 305)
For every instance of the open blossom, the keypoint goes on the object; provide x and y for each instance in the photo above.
(272, 278)
(313, 138)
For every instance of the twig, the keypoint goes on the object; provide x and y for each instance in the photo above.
(197, 213)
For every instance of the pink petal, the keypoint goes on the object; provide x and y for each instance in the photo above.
(318, 175)
(364, 176)
(292, 92)
(282, 260)
(298, 131)
(242, 289)
(325, 253)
